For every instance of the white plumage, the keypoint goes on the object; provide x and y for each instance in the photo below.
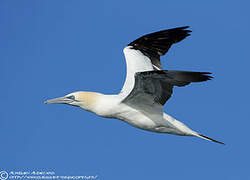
(146, 89)
(136, 62)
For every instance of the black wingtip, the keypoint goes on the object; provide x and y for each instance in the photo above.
(182, 28)
(189, 76)
(181, 33)
(200, 76)
(156, 44)
(204, 76)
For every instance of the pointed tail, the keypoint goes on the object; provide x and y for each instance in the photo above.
(209, 139)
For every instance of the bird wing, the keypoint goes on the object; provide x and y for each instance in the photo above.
(143, 54)
(154, 88)
(157, 44)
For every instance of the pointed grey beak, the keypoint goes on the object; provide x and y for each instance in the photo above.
(60, 100)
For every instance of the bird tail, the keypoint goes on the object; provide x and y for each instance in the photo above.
(208, 138)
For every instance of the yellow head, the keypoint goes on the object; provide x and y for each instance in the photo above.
(85, 100)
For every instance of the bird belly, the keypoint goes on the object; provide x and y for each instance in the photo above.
(160, 124)
(135, 118)
(109, 106)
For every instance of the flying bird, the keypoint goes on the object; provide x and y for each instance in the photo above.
(146, 89)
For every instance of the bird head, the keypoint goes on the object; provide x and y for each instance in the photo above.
(82, 99)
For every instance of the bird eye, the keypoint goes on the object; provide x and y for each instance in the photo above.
(71, 97)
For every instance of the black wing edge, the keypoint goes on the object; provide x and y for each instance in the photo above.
(178, 78)
(157, 44)
(188, 76)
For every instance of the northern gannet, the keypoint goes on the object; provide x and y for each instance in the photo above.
(146, 89)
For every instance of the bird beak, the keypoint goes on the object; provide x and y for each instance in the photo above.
(60, 100)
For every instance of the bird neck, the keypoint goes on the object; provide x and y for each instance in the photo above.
(88, 100)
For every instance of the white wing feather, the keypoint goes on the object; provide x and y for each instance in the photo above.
(136, 61)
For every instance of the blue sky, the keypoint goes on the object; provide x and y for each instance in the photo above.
(51, 48)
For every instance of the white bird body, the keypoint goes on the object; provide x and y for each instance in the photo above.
(146, 89)
(111, 106)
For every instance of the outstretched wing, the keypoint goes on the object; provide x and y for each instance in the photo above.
(144, 53)
(157, 44)
(156, 87)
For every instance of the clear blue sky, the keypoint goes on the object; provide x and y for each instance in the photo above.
(51, 48)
